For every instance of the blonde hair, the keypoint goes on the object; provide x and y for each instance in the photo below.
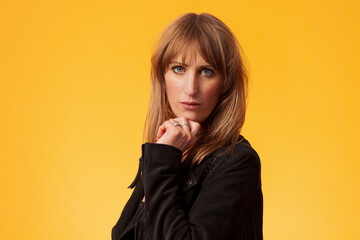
(219, 48)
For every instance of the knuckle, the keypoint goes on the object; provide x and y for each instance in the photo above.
(178, 133)
(184, 135)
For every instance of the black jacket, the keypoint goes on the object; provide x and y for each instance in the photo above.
(181, 204)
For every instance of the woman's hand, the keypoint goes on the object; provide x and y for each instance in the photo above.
(179, 132)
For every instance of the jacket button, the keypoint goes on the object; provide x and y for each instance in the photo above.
(189, 182)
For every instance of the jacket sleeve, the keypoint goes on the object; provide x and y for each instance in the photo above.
(222, 200)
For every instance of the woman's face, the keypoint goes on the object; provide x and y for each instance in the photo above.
(193, 87)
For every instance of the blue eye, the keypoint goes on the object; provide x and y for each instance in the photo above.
(177, 69)
(207, 72)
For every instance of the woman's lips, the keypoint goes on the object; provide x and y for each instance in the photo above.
(190, 105)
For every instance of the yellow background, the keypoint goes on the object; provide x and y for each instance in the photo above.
(74, 90)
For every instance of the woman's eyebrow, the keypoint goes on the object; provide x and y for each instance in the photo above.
(179, 63)
(202, 66)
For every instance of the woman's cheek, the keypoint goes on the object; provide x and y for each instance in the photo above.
(213, 91)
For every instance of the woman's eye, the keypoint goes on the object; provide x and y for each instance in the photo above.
(178, 69)
(207, 72)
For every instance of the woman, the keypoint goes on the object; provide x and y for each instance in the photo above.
(198, 177)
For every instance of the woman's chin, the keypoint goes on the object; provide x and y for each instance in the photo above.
(192, 117)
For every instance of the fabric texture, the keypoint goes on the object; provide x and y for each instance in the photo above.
(183, 204)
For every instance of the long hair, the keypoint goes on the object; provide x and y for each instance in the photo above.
(221, 50)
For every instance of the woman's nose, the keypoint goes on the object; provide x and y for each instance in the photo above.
(191, 84)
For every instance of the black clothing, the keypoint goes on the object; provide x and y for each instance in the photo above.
(221, 202)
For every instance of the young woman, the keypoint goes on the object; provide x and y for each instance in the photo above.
(198, 178)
